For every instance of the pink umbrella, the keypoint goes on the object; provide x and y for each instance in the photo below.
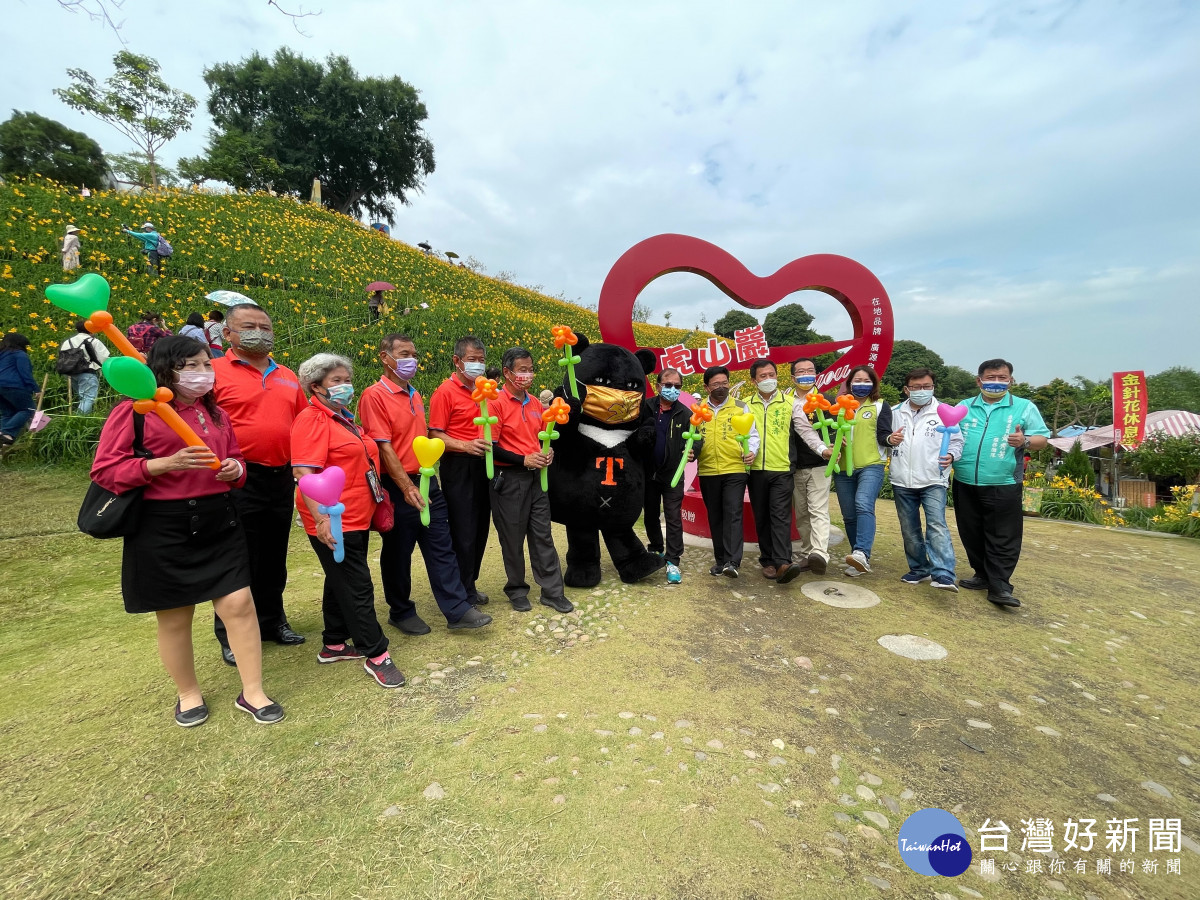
(380, 286)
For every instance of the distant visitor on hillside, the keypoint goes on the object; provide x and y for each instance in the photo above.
(70, 249)
(154, 245)
(374, 301)
(193, 327)
(80, 357)
(213, 331)
(143, 334)
(17, 388)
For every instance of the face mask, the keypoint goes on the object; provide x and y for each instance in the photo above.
(191, 385)
(670, 393)
(611, 406)
(474, 369)
(341, 394)
(806, 381)
(920, 398)
(768, 385)
(861, 390)
(406, 368)
(256, 341)
(522, 379)
(718, 395)
(994, 389)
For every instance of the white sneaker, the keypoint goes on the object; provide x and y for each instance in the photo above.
(851, 572)
(858, 560)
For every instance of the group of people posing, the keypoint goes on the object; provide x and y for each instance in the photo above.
(215, 520)
(783, 461)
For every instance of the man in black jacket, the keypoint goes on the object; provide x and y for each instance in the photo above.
(670, 419)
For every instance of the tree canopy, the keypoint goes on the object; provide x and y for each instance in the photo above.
(31, 144)
(909, 355)
(135, 101)
(732, 321)
(1174, 388)
(281, 122)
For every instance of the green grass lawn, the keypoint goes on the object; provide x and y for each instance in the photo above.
(670, 742)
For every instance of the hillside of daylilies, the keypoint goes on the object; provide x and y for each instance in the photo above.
(305, 265)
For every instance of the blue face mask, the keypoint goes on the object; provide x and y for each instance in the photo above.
(806, 381)
(474, 369)
(861, 390)
(994, 389)
(670, 393)
(920, 397)
(341, 394)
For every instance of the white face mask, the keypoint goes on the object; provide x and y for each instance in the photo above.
(768, 385)
(920, 397)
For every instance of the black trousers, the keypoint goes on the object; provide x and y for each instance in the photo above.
(395, 562)
(990, 526)
(266, 505)
(465, 484)
(521, 511)
(348, 604)
(670, 501)
(724, 496)
(771, 503)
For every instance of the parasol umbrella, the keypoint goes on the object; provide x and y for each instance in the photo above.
(380, 286)
(229, 298)
(450, 254)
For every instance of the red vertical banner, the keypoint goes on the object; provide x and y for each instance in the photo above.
(1130, 405)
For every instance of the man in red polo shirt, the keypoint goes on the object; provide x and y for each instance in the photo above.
(393, 413)
(520, 508)
(262, 399)
(452, 415)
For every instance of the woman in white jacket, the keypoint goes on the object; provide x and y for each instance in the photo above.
(920, 477)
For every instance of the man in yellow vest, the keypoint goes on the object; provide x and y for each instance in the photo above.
(770, 478)
(722, 472)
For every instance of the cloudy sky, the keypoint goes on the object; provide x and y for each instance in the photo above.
(1022, 176)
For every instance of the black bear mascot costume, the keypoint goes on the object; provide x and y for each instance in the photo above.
(596, 482)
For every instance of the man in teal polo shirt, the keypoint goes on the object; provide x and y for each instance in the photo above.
(997, 430)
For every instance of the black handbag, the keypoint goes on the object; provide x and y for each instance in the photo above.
(108, 515)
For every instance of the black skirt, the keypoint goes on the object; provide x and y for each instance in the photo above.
(185, 552)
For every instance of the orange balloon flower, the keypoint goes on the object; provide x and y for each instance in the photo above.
(846, 402)
(563, 335)
(814, 402)
(485, 389)
(701, 414)
(558, 411)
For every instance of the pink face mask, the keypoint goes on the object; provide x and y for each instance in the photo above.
(522, 379)
(191, 385)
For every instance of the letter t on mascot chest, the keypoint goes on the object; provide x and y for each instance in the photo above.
(596, 482)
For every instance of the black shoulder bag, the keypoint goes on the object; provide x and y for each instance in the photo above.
(108, 515)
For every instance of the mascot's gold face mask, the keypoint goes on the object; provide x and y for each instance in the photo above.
(610, 406)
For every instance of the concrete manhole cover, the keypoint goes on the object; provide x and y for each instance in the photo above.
(912, 647)
(840, 594)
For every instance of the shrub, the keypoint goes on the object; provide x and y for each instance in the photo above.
(1064, 498)
(1177, 516)
(1077, 467)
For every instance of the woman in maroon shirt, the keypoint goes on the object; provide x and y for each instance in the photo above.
(189, 547)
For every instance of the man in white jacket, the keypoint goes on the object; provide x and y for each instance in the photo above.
(920, 476)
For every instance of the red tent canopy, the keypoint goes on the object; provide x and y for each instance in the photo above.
(1172, 421)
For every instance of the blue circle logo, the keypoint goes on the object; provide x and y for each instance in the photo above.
(933, 842)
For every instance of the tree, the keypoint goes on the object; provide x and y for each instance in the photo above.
(958, 384)
(1174, 388)
(641, 312)
(909, 355)
(1162, 455)
(732, 321)
(667, 318)
(135, 101)
(34, 145)
(789, 324)
(1076, 466)
(1076, 402)
(283, 121)
(135, 169)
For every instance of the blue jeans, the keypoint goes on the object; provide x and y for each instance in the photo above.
(87, 386)
(16, 409)
(856, 495)
(930, 554)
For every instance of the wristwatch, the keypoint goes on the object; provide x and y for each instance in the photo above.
(1026, 442)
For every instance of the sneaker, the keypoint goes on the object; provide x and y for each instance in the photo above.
(521, 604)
(674, 576)
(263, 715)
(716, 569)
(788, 572)
(414, 625)
(558, 604)
(946, 584)
(817, 564)
(730, 571)
(472, 618)
(331, 656)
(770, 573)
(1005, 599)
(197, 715)
(481, 599)
(858, 560)
(385, 673)
(914, 578)
(974, 583)
(851, 572)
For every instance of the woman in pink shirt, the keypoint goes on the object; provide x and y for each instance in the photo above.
(189, 547)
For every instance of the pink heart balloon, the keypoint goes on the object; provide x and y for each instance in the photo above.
(325, 486)
(951, 415)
